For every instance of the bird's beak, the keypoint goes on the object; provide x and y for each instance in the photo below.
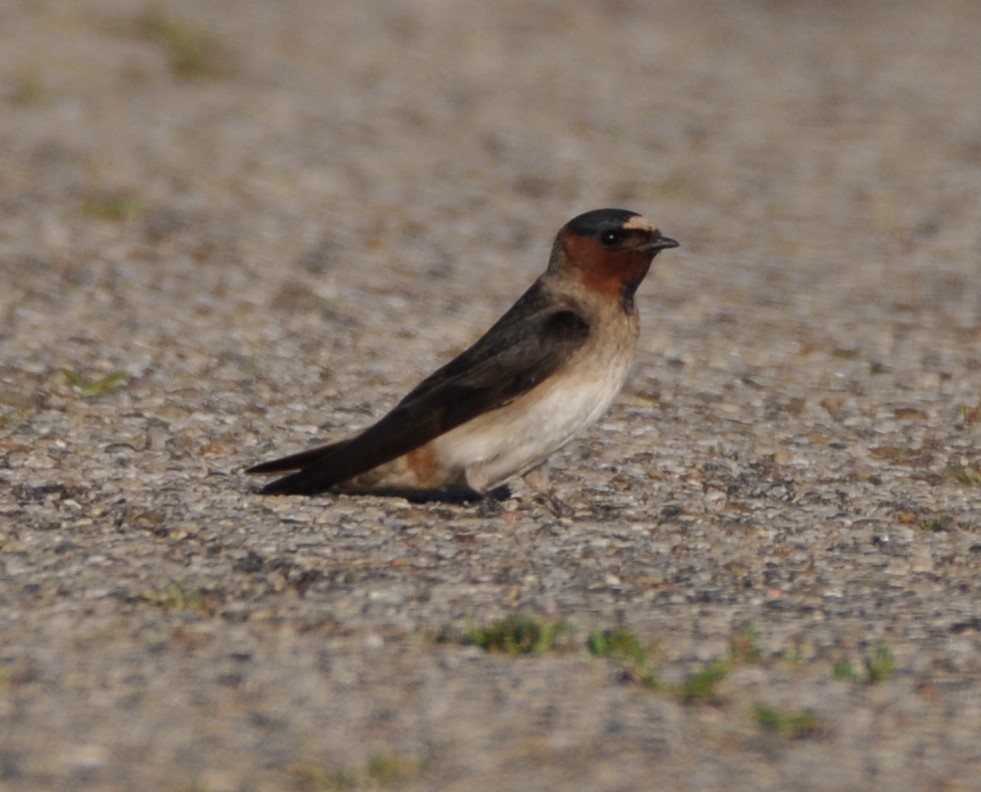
(661, 243)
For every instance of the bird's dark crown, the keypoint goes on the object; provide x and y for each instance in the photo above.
(614, 229)
(594, 223)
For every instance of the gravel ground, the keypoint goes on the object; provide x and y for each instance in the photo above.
(274, 218)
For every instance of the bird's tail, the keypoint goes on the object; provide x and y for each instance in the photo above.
(297, 461)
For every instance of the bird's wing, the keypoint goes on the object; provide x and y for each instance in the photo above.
(520, 351)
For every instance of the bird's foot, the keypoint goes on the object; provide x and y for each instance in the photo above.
(538, 479)
(489, 506)
(556, 505)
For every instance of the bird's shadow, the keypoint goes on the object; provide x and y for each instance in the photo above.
(457, 495)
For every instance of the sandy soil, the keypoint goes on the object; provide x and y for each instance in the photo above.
(274, 218)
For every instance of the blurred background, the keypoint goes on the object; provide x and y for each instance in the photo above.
(283, 156)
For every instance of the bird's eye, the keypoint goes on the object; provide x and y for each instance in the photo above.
(611, 238)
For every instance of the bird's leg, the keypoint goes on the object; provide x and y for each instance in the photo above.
(538, 479)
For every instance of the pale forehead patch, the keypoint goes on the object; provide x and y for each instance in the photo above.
(638, 223)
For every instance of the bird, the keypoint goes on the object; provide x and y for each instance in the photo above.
(547, 369)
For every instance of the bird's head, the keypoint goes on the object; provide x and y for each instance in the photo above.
(608, 251)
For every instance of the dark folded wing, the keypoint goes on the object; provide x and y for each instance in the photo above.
(526, 346)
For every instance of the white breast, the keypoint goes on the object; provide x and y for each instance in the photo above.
(518, 437)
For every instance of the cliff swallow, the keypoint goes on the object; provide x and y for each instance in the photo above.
(548, 368)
